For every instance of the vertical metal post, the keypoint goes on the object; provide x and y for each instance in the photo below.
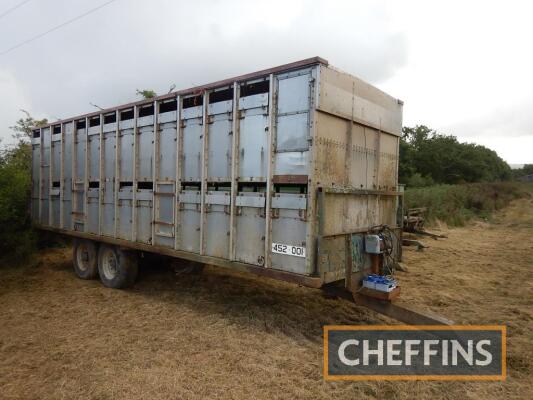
(312, 234)
(101, 174)
(177, 188)
(61, 174)
(155, 170)
(205, 121)
(117, 172)
(135, 167)
(62, 180)
(270, 168)
(86, 179)
(41, 181)
(50, 176)
(377, 215)
(73, 186)
(348, 155)
(234, 168)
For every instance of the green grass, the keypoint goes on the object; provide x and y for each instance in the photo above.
(457, 204)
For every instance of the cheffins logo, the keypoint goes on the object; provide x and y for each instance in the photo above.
(407, 352)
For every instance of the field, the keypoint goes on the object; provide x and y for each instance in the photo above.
(229, 335)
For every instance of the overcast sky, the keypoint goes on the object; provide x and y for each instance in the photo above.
(462, 67)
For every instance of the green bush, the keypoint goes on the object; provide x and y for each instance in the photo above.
(457, 204)
(425, 153)
(17, 239)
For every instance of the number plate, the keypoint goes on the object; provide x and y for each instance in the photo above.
(288, 249)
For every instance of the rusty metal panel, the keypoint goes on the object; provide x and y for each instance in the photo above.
(351, 98)
(332, 258)
(388, 161)
(330, 150)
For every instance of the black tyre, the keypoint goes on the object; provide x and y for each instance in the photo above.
(85, 258)
(117, 268)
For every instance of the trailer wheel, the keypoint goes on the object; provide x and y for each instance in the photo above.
(117, 268)
(85, 258)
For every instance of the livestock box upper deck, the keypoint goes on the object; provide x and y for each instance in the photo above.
(281, 172)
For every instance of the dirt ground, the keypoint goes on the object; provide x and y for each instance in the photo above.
(230, 335)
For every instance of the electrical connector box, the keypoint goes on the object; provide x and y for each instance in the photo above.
(373, 244)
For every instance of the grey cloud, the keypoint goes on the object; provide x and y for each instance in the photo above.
(132, 44)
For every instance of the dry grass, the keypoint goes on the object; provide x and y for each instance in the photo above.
(230, 335)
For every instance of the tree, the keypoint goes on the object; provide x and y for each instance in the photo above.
(527, 169)
(427, 156)
(17, 238)
(23, 127)
(146, 93)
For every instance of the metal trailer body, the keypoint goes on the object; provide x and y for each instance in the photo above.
(280, 172)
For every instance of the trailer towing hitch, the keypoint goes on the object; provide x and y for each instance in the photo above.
(406, 314)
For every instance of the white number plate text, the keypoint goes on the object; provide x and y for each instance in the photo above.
(288, 249)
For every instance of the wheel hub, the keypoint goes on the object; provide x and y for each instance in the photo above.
(110, 265)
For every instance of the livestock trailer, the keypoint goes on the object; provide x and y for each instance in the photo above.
(280, 172)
